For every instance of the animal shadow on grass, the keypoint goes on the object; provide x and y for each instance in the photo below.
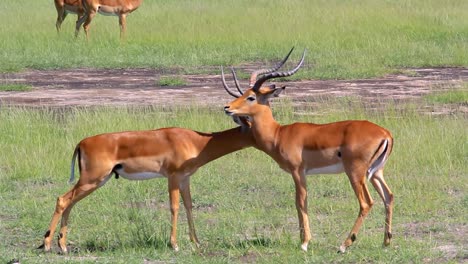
(249, 242)
(141, 237)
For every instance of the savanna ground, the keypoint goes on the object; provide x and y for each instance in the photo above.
(400, 64)
(169, 87)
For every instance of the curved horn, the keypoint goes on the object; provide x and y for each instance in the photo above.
(226, 87)
(236, 81)
(253, 76)
(262, 79)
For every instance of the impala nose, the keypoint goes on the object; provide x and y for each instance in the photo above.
(226, 110)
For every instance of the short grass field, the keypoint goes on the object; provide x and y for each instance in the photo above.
(243, 203)
(345, 39)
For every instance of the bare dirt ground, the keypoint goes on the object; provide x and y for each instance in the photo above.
(88, 87)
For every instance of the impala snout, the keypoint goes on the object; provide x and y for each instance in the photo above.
(227, 111)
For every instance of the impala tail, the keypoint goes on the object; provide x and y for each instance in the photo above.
(380, 157)
(76, 154)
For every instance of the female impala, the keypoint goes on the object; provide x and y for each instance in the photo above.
(68, 6)
(120, 8)
(358, 148)
(173, 153)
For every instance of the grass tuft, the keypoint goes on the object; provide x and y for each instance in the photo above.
(449, 97)
(171, 81)
(15, 87)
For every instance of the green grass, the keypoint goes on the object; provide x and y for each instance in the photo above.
(15, 87)
(345, 39)
(171, 81)
(244, 204)
(449, 97)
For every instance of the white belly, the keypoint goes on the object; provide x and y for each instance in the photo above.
(139, 176)
(108, 11)
(332, 169)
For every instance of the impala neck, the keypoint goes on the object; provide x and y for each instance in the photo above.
(265, 128)
(218, 144)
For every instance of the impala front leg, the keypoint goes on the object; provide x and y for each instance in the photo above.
(187, 199)
(123, 25)
(174, 204)
(301, 206)
(61, 14)
(88, 17)
(79, 22)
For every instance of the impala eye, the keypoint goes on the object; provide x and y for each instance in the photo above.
(251, 98)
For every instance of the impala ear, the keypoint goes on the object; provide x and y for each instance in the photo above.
(275, 92)
(278, 91)
(272, 92)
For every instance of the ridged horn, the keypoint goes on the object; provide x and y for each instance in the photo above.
(255, 74)
(272, 75)
(226, 87)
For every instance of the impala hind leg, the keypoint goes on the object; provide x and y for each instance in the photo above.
(81, 17)
(187, 199)
(79, 22)
(61, 15)
(387, 196)
(82, 192)
(301, 206)
(63, 206)
(90, 180)
(88, 18)
(358, 182)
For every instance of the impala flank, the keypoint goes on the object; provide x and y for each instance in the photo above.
(173, 153)
(358, 148)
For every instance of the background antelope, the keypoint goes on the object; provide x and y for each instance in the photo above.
(358, 148)
(120, 8)
(68, 6)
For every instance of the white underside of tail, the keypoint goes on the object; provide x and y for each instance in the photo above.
(72, 168)
(379, 162)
